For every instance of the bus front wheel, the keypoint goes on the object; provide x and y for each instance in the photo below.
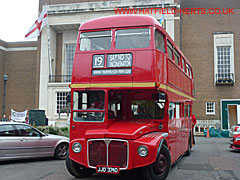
(77, 170)
(160, 169)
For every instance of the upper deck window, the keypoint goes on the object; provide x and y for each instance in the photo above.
(132, 38)
(177, 57)
(170, 50)
(159, 41)
(97, 40)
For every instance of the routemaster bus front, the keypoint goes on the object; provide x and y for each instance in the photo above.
(119, 103)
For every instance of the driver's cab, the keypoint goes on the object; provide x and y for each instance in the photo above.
(114, 104)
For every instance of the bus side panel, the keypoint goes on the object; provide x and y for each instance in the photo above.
(172, 139)
(160, 68)
(178, 78)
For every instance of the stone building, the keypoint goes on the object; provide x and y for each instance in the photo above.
(209, 40)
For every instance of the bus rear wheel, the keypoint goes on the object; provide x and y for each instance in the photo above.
(77, 170)
(160, 169)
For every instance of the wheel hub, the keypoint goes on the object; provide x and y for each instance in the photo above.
(161, 165)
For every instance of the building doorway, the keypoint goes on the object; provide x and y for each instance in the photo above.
(230, 112)
(232, 115)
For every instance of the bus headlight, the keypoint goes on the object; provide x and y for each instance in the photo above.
(76, 147)
(142, 150)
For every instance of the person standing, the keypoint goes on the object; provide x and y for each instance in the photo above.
(27, 119)
(194, 122)
(4, 118)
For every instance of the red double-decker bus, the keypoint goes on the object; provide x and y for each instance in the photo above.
(131, 99)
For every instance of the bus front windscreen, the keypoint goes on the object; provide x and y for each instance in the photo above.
(97, 40)
(132, 38)
(88, 106)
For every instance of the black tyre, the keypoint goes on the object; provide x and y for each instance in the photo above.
(160, 169)
(61, 151)
(188, 152)
(77, 170)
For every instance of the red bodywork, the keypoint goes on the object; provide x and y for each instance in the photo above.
(235, 142)
(152, 71)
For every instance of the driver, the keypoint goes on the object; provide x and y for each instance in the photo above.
(99, 103)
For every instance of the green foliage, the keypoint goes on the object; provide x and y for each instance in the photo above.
(62, 131)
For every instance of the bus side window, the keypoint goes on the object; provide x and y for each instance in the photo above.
(177, 111)
(188, 70)
(185, 111)
(181, 110)
(159, 41)
(177, 57)
(189, 111)
(171, 110)
(183, 64)
(170, 50)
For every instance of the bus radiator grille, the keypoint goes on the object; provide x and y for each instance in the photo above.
(113, 151)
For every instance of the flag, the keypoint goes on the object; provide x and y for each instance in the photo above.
(162, 19)
(36, 28)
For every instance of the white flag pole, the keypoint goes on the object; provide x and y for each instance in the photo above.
(49, 51)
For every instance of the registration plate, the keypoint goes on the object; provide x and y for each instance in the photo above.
(107, 169)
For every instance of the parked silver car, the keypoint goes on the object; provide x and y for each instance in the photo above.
(19, 141)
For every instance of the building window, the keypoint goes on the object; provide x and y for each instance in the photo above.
(61, 101)
(224, 59)
(69, 55)
(223, 62)
(210, 108)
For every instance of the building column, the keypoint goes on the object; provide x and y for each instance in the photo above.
(44, 71)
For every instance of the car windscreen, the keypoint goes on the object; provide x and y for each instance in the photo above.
(88, 106)
(132, 38)
(97, 40)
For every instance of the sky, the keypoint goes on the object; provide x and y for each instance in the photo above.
(16, 18)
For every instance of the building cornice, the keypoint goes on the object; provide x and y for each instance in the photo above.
(106, 6)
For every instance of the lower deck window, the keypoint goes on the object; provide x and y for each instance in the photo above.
(147, 109)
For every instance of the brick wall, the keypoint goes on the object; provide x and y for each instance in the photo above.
(20, 66)
(198, 47)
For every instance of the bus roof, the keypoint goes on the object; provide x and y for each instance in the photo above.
(119, 21)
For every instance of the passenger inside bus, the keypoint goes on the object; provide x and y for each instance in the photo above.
(114, 105)
(143, 113)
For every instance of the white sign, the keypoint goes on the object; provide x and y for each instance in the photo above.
(18, 116)
(119, 60)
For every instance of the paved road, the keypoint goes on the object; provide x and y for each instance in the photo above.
(211, 159)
